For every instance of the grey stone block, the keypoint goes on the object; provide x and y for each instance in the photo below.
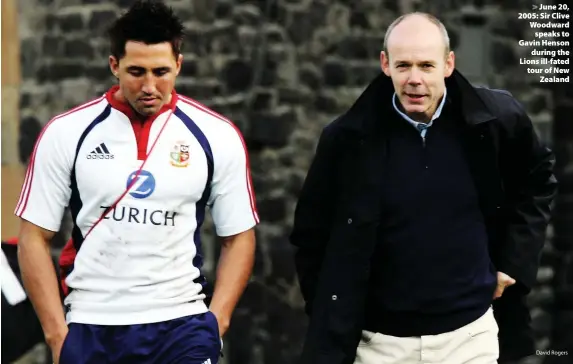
(334, 73)
(100, 21)
(30, 129)
(223, 9)
(78, 49)
(71, 22)
(325, 102)
(273, 209)
(563, 127)
(51, 46)
(310, 76)
(238, 75)
(503, 55)
(271, 129)
(542, 298)
(354, 48)
(30, 52)
(541, 322)
(263, 100)
(295, 96)
(302, 24)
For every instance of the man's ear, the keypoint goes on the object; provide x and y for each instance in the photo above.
(385, 63)
(450, 64)
(114, 66)
(179, 63)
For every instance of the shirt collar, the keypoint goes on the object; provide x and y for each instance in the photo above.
(126, 109)
(436, 115)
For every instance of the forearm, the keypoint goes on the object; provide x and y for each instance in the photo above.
(41, 284)
(233, 272)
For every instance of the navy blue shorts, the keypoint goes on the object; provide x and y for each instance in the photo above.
(187, 340)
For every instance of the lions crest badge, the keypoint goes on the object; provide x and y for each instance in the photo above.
(180, 154)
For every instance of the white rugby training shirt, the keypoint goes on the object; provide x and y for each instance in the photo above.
(142, 262)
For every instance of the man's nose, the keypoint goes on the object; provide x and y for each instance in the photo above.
(415, 77)
(148, 85)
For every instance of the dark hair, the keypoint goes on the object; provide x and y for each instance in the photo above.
(149, 22)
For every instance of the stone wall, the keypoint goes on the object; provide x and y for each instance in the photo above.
(281, 70)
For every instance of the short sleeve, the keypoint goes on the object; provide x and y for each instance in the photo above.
(46, 190)
(232, 201)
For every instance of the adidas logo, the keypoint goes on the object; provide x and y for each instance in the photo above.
(100, 152)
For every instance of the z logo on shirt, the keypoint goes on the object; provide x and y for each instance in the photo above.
(143, 187)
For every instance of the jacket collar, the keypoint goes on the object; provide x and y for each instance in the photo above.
(376, 99)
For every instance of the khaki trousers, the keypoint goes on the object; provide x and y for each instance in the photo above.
(475, 343)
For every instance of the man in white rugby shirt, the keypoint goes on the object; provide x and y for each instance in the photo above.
(137, 168)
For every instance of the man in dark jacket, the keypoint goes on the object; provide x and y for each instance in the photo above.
(422, 218)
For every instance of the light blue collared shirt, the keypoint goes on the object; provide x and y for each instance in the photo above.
(422, 127)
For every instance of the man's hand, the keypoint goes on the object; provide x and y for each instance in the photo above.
(503, 281)
(55, 343)
(223, 322)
